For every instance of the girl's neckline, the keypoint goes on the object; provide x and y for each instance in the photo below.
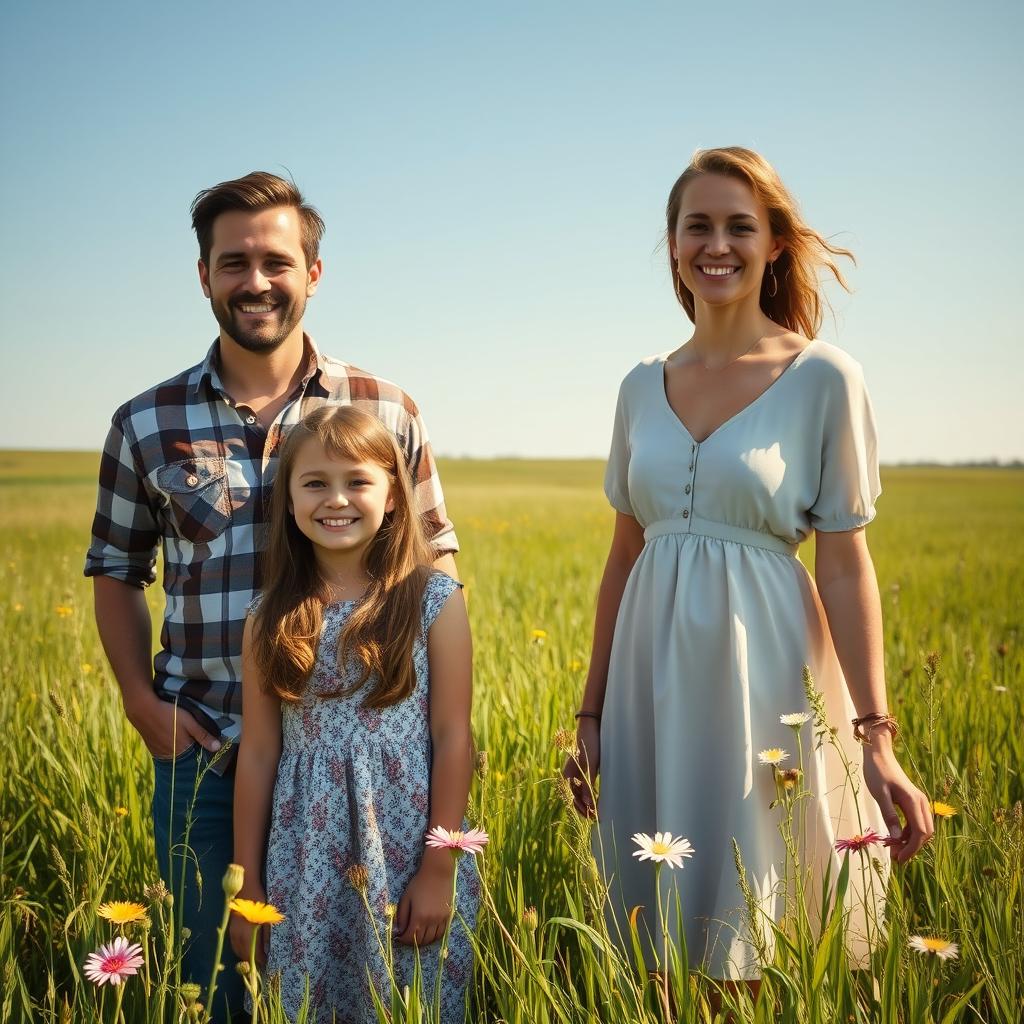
(663, 362)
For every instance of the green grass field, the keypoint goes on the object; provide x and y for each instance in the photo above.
(949, 550)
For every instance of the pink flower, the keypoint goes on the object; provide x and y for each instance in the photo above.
(113, 963)
(473, 841)
(858, 843)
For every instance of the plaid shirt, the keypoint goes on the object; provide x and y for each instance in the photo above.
(185, 466)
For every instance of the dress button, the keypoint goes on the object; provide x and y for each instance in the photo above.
(686, 513)
(192, 480)
(691, 467)
(687, 488)
(250, 418)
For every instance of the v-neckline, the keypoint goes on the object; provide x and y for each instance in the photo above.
(798, 358)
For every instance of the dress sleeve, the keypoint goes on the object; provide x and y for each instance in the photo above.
(439, 587)
(616, 474)
(849, 458)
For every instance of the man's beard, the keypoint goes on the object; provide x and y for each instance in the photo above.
(262, 338)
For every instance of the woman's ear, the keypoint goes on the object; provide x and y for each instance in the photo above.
(777, 247)
(390, 506)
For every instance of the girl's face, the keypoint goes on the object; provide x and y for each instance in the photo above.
(723, 241)
(337, 503)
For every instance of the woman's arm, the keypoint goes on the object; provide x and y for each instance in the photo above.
(425, 906)
(581, 770)
(255, 773)
(846, 582)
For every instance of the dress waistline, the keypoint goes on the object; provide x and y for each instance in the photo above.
(719, 531)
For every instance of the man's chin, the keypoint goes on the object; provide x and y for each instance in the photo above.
(259, 343)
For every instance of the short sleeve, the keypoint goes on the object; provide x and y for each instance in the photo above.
(849, 483)
(616, 474)
(125, 531)
(439, 587)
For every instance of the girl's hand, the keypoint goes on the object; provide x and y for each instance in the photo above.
(888, 784)
(581, 768)
(425, 907)
(240, 934)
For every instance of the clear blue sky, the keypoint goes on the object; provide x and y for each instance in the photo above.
(493, 179)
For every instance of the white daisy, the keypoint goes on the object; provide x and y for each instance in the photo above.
(941, 948)
(663, 848)
(795, 719)
(773, 756)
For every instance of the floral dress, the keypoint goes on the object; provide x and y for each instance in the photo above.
(353, 788)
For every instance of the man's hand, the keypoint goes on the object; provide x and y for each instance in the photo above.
(167, 730)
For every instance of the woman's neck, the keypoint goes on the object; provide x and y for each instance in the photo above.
(722, 334)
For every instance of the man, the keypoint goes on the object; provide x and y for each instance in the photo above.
(189, 464)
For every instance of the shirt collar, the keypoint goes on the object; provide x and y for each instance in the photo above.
(209, 369)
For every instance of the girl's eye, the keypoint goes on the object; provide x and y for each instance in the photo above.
(313, 483)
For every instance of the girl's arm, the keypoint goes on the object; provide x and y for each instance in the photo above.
(846, 582)
(581, 770)
(425, 906)
(255, 773)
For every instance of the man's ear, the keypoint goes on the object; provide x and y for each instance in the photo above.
(204, 278)
(313, 275)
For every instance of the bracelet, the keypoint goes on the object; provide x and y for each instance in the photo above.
(587, 714)
(873, 721)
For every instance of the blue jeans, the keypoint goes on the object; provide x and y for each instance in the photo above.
(210, 847)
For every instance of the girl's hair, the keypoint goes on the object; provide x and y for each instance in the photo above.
(797, 304)
(380, 632)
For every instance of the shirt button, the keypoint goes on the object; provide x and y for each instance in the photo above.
(192, 480)
(691, 467)
(250, 418)
(687, 488)
(686, 513)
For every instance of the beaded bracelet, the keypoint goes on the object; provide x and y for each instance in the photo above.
(873, 722)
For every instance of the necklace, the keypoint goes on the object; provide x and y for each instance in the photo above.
(716, 369)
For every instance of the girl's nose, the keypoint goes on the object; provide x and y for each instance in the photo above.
(337, 499)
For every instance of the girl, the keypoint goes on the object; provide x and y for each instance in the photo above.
(726, 454)
(357, 687)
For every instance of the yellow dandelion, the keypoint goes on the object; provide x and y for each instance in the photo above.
(773, 756)
(64, 610)
(256, 912)
(539, 635)
(121, 911)
(575, 665)
(121, 812)
(86, 668)
(942, 810)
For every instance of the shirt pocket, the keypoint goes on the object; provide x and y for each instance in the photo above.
(198, 500)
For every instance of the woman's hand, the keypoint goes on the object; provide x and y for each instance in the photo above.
(887, 782)
(581, 768)
(240, 933)
(426, 905)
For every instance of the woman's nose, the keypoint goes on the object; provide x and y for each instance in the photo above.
(717, 245)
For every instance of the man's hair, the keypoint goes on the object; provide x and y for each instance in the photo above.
(257, 191)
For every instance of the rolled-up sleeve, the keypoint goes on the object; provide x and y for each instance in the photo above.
(125, 531)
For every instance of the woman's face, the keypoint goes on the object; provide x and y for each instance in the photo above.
(723, 240)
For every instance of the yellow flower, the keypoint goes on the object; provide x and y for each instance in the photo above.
(256, 912)
(575, 665)
(121, 812)
(539, 635)
(121, 912)
(63, 610)
(942, 810)
(18, 606)
(86, 668)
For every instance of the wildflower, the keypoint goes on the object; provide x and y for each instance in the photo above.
(773, 756)
(861, 842)
(538, 636)
(942, 810)
(64, 610)
(390, 910)
(575, 665)
(190, 992)
(232, 881)
(256, 912)
(789, 777)
(440, 838)
(530, 919)
(121, 912)
(941, 948)
(121, 812)
(663, 848)
(113, 963)
(795, 719)
(565, 741)
(155, 892)
(999, 689)
(481, 764)
(86, 668)
(358, 877)
(18, 606)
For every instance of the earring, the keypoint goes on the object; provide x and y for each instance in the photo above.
(773, 284)
(677, 282)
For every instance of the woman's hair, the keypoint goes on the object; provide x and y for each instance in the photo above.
(797, 304)
(378, 636)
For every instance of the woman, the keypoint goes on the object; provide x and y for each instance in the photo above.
(726, 454)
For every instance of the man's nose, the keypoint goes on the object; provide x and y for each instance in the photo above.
(256, 282)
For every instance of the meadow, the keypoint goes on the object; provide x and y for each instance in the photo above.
(75, 781)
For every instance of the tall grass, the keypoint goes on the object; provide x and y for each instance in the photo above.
(75, 781)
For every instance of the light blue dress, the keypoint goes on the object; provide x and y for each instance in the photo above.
(353, 787)
(716, 623)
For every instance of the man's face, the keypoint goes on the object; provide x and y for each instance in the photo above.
(257, 280)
